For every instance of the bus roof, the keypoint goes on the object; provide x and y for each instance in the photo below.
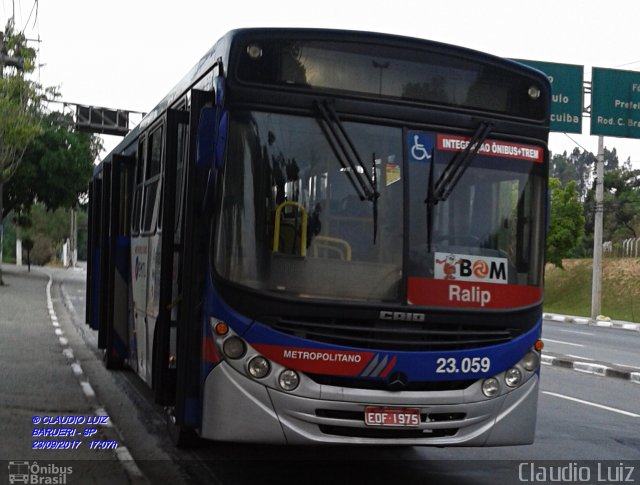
(221, 49)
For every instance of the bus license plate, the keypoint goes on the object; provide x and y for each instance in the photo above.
(408, 417)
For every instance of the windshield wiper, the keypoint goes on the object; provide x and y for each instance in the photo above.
(345, 151)
(458, 165)
(440, 190)
(349, 158)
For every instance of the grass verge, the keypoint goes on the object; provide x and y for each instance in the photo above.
(568, 290)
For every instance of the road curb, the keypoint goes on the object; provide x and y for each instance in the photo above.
(634, 327)
(593, 368)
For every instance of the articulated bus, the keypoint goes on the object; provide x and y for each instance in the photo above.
(330, 237)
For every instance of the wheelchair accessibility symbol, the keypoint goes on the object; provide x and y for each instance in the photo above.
(421, 146)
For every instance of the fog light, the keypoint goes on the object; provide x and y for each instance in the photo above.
(491, 387)
(530, 361)
(513, 377)
(234, 347)
(289, 380)
(259, 367)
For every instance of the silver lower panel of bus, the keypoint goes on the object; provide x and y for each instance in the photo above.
(236, 408)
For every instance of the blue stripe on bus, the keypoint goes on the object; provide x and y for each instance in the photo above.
(418, 366)
(213, 305)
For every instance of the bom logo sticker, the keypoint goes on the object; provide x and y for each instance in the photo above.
(461, 267)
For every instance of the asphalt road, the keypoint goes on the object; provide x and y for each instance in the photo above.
(585, 342)
(583, 421)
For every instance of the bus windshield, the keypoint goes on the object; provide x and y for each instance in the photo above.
(291, 220)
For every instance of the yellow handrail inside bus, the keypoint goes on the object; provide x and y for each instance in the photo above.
(303, 234)
(330, 244)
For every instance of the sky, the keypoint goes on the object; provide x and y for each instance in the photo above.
(127, 54)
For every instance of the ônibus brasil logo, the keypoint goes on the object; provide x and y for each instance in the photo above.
(463, 267)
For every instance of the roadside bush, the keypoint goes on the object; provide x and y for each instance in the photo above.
(42, 252)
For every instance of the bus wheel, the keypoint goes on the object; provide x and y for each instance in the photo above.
(181, 436)
(111, 360)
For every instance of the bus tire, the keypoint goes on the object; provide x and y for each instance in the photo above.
(111, 361)
(181, 436)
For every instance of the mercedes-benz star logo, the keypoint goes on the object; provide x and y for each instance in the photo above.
(397, 381)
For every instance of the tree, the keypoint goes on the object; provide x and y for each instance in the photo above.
(563, 168)
(578, 166)
(20, 105)
(621, 202)
(55, 169)
(566, 227)
(47, 229)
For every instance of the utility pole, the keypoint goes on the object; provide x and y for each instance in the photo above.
(596, 288)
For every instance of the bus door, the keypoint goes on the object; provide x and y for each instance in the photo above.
(112, 264)
(145, 250)
(165, 330)
(94, 254)
(191, 232)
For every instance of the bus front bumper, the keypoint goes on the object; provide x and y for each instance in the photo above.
(239, 409)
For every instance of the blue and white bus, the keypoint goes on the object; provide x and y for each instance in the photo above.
(324, 236)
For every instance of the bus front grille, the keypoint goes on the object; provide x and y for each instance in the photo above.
(400, 336)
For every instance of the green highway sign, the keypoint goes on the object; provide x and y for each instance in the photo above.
(615, 103)
(566, 94)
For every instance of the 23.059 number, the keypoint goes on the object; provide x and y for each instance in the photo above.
(465, 365)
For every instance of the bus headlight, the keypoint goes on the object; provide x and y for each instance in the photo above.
(259, 367)
(288, 380)
(513, 377)
(234, 347)
(491, 387)
(530, 361)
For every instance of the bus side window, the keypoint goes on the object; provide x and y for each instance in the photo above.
(152, 178)
(137, 197)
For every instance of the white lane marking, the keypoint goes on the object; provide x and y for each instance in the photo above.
(122, 452)
(562, 342)
(102, 412)
(574, 331)
(127, 461)
(87, 389)
(77, 369)
(588, 403)
(547, 359)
